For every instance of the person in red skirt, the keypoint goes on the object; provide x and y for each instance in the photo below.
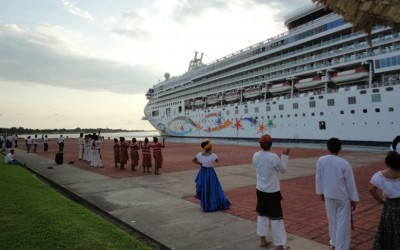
(146, 155)
(116, 152)
(134, 146)
(123, 152)
(157, 155)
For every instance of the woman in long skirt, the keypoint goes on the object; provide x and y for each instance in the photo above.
(134, 146)
(96, 159)
(157, 155)
(146, 156)
(116, 152)
(388, 180)
(208, 188)
(123, 152)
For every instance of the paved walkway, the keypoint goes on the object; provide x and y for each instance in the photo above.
(163, 207)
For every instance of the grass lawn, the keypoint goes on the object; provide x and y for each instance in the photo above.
(34, 216)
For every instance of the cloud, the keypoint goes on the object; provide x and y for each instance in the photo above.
(71, 8)
(36, 58)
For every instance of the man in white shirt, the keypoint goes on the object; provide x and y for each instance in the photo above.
(60, 142)
(81, 142)
(269, 209)
(10, 158)
(337, 188)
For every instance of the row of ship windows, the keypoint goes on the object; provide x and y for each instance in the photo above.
(257, 110)
(330, 102)
(387, 62)
(212, 120)
(311, 104)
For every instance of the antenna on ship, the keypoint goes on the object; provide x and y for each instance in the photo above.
(196, 61)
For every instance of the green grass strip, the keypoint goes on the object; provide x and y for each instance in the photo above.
(34, 216)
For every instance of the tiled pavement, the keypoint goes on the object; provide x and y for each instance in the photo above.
(304, 213)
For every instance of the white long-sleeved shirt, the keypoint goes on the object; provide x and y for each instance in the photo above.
(9, 158)
(334, 178)
(267, 165)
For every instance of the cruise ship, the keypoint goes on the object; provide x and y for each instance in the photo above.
(317, 80)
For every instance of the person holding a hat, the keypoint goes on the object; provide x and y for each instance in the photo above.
(208, 188)
(269, 209)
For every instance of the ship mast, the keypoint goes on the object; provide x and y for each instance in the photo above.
(196, 60)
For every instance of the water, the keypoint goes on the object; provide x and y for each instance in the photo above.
(239, 142)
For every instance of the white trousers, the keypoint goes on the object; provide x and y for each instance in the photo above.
(277, 228)
(339, 218)
(80, 156)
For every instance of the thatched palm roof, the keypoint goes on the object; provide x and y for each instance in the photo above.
(364, 14)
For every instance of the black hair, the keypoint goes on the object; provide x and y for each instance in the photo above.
(203, 144)
(396, 140)
(146, 140)
(155, 139)
(392, 160)
(134, 140)
(334, 145)
(266, 145)
(115, 140)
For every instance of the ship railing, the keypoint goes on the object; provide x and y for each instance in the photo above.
(306, 59)
(297, 70)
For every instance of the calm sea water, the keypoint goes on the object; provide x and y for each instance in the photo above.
(241, 142)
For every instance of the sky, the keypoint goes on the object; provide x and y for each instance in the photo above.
(88, 64)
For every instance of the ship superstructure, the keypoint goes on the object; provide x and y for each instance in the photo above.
(316, 81)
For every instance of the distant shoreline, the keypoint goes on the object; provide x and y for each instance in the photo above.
(13, 131)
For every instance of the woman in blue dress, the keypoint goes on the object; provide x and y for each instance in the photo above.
(208, 189)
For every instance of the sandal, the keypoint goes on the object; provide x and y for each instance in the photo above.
(267, 243)
(282, 247)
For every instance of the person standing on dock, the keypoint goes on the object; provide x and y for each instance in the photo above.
(28, 143)
(269, 209)
(60, 142)
(116, 152)
(334, 182)
(123, 152)
(146, 156)
(388, 181)
(96, 158)
(157, 155)
(208, 188)
(134, 148)
(81, 142)
(45, 143)
(35, 143)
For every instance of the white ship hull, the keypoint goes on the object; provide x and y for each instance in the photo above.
(358, 127)
(363, 109)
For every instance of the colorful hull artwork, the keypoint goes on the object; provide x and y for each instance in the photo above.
(183, 125)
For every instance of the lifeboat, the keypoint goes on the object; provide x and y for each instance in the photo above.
(349, 76)
(232, 96)
(213, 99)
(309, 83)
(252, 92)
(279, 88)
(199, 102)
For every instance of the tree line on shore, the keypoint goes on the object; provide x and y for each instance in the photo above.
(22, 130)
